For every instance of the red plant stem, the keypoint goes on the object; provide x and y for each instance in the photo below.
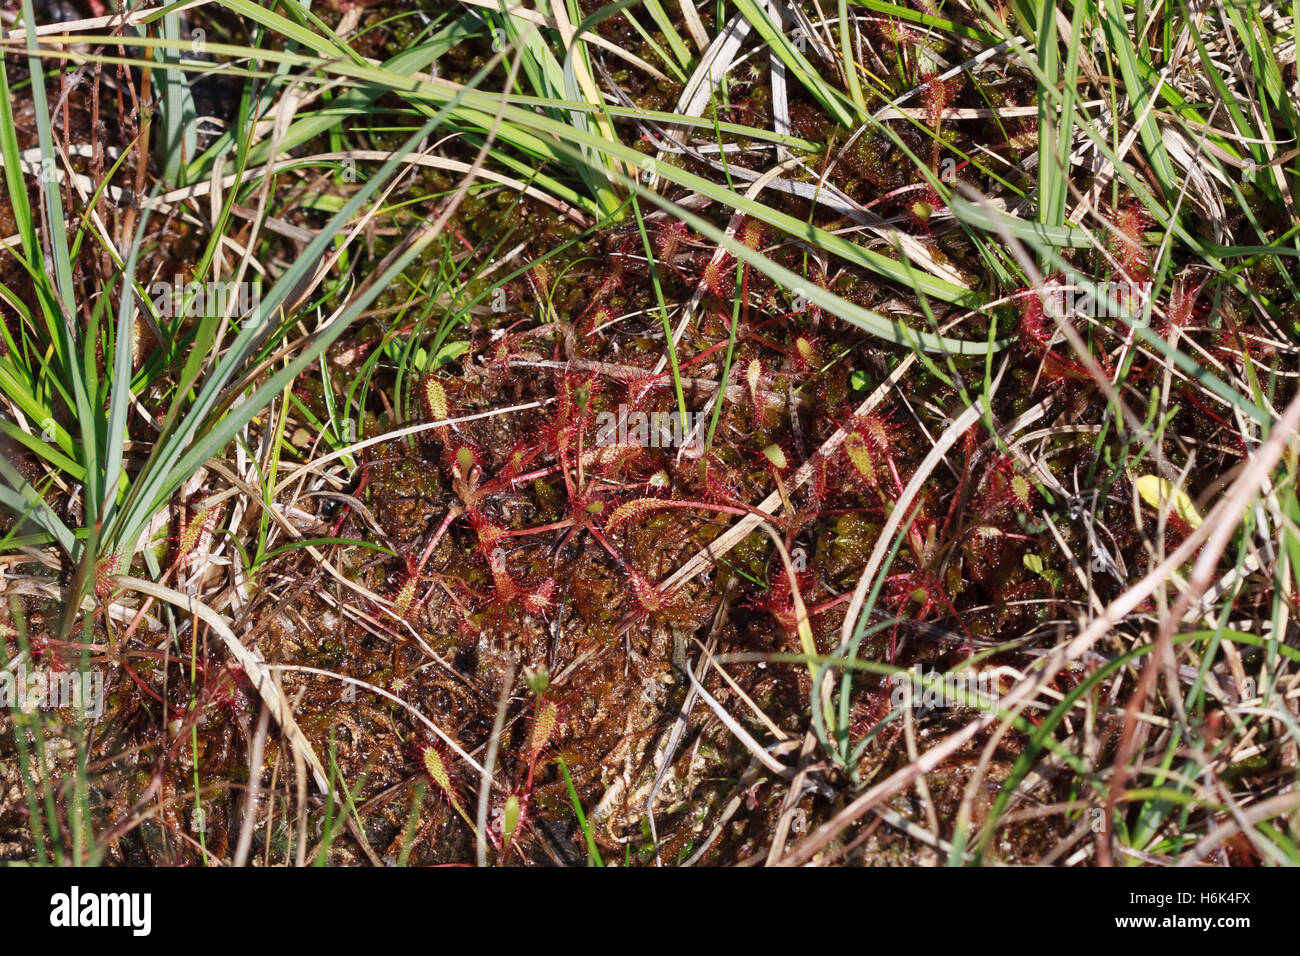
(695, 360)
(744, 293)
(741, 337)
(347, 508)
(823, 608)
(452, 514)
(569, 490)
(596, 533)
(438, 582)
(961, 486)
(76, 645)
(498, 483)
(141, 684)
(582, 419)
(764, 340)
(1190, 396)
(539, 529)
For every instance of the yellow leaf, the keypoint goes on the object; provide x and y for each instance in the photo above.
(1155, 491)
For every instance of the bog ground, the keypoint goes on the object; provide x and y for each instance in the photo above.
(741, 433)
